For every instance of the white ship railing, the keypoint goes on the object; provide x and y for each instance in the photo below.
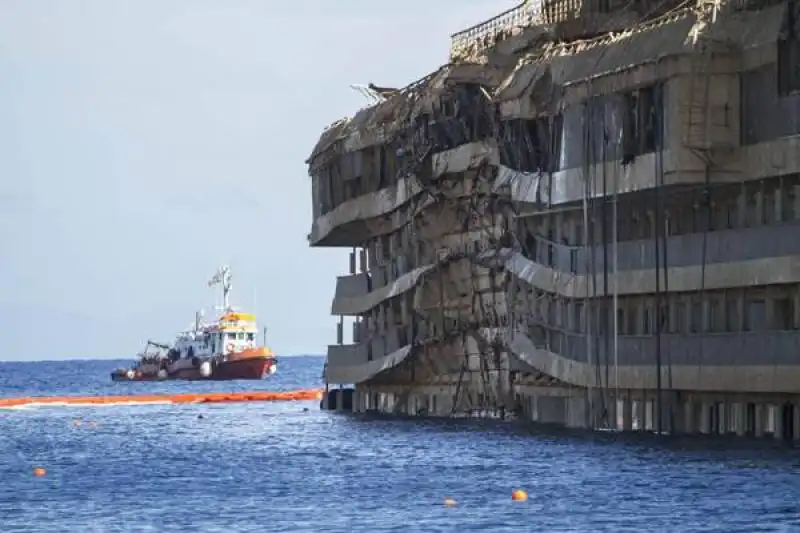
(525, 14)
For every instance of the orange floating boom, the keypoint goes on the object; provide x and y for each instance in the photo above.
(211, 397)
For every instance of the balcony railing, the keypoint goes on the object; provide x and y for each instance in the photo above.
(485, 34)
(520, 16)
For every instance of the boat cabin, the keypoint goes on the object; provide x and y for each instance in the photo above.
(232, 332)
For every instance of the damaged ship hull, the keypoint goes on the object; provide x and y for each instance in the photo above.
(578, 227)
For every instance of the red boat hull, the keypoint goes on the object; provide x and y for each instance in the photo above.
(248, 368)
(252, 367)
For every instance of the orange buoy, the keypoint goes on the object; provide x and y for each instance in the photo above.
(39, 472)
(449, 502)
(255, 396)
(519, 495)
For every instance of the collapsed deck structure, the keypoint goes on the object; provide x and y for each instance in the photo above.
(589, 216)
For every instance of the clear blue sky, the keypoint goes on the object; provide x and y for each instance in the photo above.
(145, 142)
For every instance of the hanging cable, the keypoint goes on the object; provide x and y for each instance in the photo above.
(656, 122)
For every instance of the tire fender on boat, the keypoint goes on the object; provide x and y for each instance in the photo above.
(205, 369)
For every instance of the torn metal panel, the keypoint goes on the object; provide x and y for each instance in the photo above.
(569, 185)
(427, 102)
(385, 201)
(465, 157)
(524, 185)
(366, 206)
(750, 29)
(528, 73)
(343, 371)
(486, 75)
(391, 115)
(361, 304)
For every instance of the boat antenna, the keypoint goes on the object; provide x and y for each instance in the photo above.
(223, 277)
(265, 335)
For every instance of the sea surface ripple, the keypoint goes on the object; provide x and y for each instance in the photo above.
(288, 467)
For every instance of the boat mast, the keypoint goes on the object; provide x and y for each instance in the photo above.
(223, 277)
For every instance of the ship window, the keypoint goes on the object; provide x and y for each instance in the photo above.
(783, 314)
(251, 336)
(788, 60)
(696, 317)
(732, 313)
(240, 336)
(755, 318)
(232, 336)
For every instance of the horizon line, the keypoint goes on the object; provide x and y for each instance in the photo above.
(85, 359)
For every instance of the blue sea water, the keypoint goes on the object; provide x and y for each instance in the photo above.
(277, 467)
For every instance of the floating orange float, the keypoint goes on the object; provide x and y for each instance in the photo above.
(39, 472)
(213, 397)
(519, 495)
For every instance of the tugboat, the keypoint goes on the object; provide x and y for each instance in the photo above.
(150, 366)
(224, 349)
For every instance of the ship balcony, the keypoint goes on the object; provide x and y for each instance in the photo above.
(355, 363)
(483, 36)
(357, 216)
(762, 255)
(757, 361)
(486, 34)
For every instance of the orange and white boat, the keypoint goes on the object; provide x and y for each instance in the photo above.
(224, 349)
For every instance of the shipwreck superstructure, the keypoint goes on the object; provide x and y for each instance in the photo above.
(589, 216)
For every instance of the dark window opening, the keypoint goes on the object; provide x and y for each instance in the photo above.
(642, 118)
(531, 145)
(402, 337)
(663, 318)
(755, 318)
(732, 314)
(789, 55)
(530, 246)
(696, 319)
(784, 314)
(353, 188)
(647, 326)
(680, 318)
(715, 319)
(383, 167)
